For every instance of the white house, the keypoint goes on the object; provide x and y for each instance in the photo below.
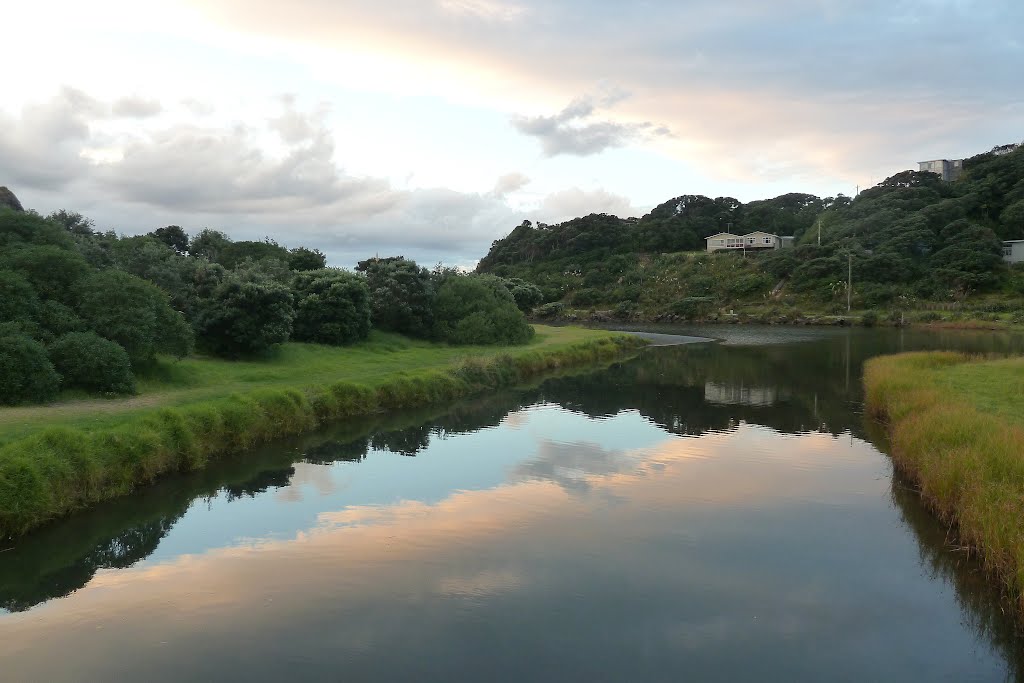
(1013, 251)
(751, 241)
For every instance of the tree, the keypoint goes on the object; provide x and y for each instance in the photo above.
(26, 374)
(971, 259)
(18, 299)
(332, 307)
(526, 294)
(73, 222)
(301, 258)
(234, 253)
(208, 244)
(134, 313)
(153, 260)
(54, 272)
(401, 295)
(88, 361)
(475, 310)
(24, 227)
(245, 317)
(173, 236)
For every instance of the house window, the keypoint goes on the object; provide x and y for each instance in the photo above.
(1007, 251)
(750, 240)
(721, 242)
(767, 240)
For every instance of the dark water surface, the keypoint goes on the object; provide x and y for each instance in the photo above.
(711, 512)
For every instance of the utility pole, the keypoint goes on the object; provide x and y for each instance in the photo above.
(849, 279)
(819, 232)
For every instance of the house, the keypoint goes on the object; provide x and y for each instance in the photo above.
(948, 170)
(751, 241)
(1013, 251)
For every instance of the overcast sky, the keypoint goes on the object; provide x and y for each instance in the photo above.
(431, 127)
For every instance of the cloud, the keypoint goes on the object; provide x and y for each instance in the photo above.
(42, 146)
(488, 10)
(509, 183)
(136, 107)
(571, 132)
(570, 203)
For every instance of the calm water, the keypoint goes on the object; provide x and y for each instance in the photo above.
(713, 512)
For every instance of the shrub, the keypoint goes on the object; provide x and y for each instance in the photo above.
(693, 307)
(26, 374)
(472, 310)
(134, 313)
(88, 361)
(332, 307)
(869, 319)
(243, 318)
(550, 310)
(17, 297)
(401, 295)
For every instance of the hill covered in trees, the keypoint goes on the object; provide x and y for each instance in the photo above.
(87, 311)
(912, 237)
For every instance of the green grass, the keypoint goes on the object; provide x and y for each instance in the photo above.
(957, 426)
(58, 458)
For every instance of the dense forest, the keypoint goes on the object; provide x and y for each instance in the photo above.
(87, 311)
(912, 237)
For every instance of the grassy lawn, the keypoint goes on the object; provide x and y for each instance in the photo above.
(59, 458)
(172, 383)
(957, 426)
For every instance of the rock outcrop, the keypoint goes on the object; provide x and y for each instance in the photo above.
(8, 200)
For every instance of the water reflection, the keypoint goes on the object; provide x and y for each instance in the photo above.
(764, 537)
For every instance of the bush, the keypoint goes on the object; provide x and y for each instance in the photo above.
(869, 319)
(332, 307)
(550, 310)
(88, 361)
(134, 313)
(26, 374)
(17, 297)
(693, 307)
(401, 295)
(472, 310)
(242, 318)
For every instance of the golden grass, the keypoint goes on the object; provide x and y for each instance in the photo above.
(957, 426)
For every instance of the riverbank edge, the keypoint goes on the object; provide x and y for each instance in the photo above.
(850, 320)
(62, 469)
(967, 464)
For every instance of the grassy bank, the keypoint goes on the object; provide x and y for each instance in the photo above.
(957, 426)
(59, 458)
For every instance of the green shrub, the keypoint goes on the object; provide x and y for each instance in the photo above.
(18, 298)
(471, 309)
(550, 310)
(26, 374)
(88, 361)
(693, 307)
(134, 313)
(869, 319)
(332, 307)
(242, 318)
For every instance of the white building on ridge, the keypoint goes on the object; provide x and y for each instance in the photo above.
(751, 241)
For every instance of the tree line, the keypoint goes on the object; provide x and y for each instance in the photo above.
(86, 310)
(913, 236)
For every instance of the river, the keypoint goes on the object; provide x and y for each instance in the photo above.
(711, 512)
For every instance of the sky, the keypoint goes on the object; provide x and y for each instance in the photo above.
(430, 128)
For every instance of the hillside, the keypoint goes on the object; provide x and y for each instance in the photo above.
(912, 238)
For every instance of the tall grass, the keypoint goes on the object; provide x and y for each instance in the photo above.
(957, 426)
(59, 469)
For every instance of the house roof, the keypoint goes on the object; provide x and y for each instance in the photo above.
(722, 234)
(1012, 241)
